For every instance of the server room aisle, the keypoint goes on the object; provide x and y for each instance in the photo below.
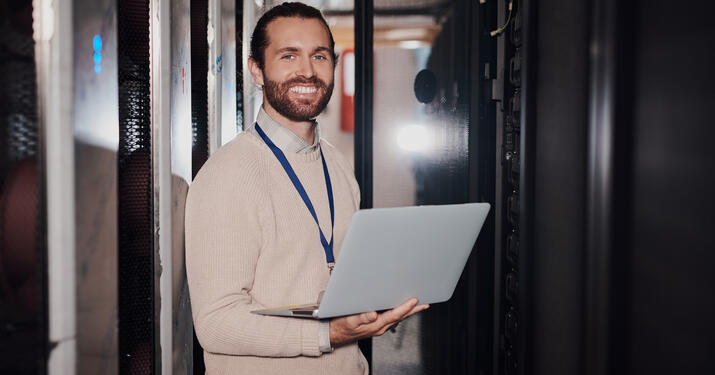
(587, 125)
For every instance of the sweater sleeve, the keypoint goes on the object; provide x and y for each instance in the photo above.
(223, 241)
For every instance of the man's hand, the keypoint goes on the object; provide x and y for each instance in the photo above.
(359, 326)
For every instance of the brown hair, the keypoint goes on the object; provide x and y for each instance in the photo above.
(259, 39)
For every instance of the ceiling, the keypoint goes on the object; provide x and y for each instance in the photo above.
(397, 23)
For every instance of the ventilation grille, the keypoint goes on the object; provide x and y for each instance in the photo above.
(23, 331)
(136, 276)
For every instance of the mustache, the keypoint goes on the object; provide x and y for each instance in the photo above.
(303, 80)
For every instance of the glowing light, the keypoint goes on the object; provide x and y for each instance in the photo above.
(411, 44)
(97, 42)
(97, 56)
(414, 138)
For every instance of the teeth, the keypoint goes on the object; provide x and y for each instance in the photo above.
(303, 89)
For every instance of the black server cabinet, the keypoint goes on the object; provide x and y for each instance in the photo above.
(616, 181)
(135, 201)
(23, 250)
(662, 254)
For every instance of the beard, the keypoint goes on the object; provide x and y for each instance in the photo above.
(277, 94)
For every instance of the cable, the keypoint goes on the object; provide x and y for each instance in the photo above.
(508, 19)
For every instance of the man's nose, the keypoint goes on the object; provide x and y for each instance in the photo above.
(306, 68)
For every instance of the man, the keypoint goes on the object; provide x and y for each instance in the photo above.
(252, 241)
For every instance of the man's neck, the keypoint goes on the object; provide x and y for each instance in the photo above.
(303, 129)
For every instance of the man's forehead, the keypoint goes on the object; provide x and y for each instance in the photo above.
(297, 32)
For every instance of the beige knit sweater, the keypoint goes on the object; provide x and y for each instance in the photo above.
(251, 244)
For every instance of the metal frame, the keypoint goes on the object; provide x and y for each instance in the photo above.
(214, 36)
(53, 51)
(484, 155)
(251, 92)
(364, 11)
(599, 212)
(181, 324)
(228, 66)
(608, 189)
(160, 93)
(527, 149)
(222, 73)
(498, 94)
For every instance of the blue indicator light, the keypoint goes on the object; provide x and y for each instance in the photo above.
(97, 56)
(97, 42)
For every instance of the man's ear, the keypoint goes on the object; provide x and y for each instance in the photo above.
(256, 71)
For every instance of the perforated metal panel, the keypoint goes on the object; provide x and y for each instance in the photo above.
(22, 246)
(19, 97)
(136, 277)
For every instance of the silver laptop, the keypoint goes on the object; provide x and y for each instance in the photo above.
(393, 254)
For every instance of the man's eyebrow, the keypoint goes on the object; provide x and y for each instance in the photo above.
(288, 49)
(296, 49)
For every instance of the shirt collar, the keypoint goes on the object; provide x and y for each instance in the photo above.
(285, 139)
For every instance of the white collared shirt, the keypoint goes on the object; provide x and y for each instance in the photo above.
(283, 137)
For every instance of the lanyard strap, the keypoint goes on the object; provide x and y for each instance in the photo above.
(327, 246)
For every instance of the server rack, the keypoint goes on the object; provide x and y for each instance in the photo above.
(154, 173)
(507, 90)
(611, 265)
(23, 247)
(136, 203)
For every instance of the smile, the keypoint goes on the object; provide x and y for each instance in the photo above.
(304, 89)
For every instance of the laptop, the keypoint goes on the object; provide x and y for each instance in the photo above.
(390, 255)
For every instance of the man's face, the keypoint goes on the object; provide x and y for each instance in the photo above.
(297, 77)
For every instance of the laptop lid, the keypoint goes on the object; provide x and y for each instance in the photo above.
(392, 254)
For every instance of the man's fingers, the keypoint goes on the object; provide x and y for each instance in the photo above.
(391, 321)
(371, 323)
(368, 317)
(399, 312)
(383, 330)
(405, 307)
(386, 328)
(415, 310)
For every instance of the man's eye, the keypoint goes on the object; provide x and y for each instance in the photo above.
(320, 57)
(287, 57)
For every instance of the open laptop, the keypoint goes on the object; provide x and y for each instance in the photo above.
(390, 255)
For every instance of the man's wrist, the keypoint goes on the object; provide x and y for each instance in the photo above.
(324, 336)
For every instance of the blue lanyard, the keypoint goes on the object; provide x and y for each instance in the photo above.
(327, 246)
